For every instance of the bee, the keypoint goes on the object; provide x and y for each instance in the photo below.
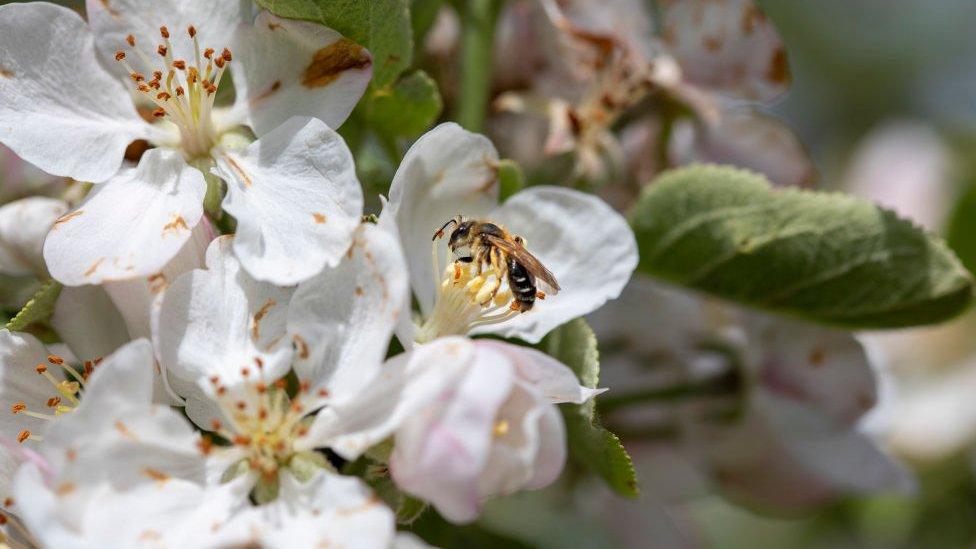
(487, 244)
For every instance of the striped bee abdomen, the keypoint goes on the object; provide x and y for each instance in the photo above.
(522, 285)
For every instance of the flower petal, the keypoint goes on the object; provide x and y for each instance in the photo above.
(20, 353)
(551, 378)
(59, 108)
(295, 68)
(586, 244)
(407, 383)
(729, 47)
(23, 225)
(72, 320)
(129, 227)
(341, 320)
(296, 198)
(113, 20)
(328, 511)
(440, 454)
(217, 323)
(448, 171)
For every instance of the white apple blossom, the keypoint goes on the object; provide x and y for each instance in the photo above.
(66, 107)
(125, 472)
(585, 243)
(23, 225)
(779, 402)
(472, 419)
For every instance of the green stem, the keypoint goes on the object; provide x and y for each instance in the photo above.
(478, 19)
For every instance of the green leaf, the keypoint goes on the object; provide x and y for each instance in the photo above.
(510, 178)
(599, 450)
(405, 109)
(826, 257)
(382, 26)
(962, 228)
(38, 309)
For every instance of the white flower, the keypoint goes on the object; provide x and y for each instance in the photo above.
(770, 403)
(124, 472)
(293, 191)
(449, 171)
(472, 419)
(23, 225)
(227, 341)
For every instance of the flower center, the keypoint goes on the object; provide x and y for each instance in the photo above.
(265, 424)
(67, 393)
(183, 91)
(466, 299)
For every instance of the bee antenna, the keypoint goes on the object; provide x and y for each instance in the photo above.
(440, 232)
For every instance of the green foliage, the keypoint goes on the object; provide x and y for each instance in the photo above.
(38, 309)
(827, 257)
(510, 178)
(596, 448)
(406, 109)
(382, 26)
(962, 228)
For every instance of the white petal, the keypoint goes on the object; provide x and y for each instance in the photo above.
(217, 322)
(129, 227)
(23, 225)
(586, 244)
(342, 320)
(20, 353)
(823, 368)
(441, 452)
(296, 198)
(113, 20)
(448, 171)
(72, 320)
(407, 383)
(729, 47)
(327, 511)
(295, 68)
(59, 108)
(553, 379)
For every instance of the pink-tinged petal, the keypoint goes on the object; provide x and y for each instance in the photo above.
(585, 243)
(23, 225)
(221, 323)
(131, 226)
(727, 46)
(296, 198)
(448, 171)
(341, 320)
(748, 139)
(113, 21)
(440, 455)
(59, 108)
(289, 68)
(552, 379)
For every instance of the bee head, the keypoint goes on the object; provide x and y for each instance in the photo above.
(459, 237)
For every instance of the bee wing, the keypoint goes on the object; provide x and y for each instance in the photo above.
(529, 261)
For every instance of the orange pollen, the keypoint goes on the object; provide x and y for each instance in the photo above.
(3, 520)
(261, 388)
(208, 53)
(137, 77)
(130, 40)
(259, 362)
(280, 446)
(215, 425)
(154, 84)
(41, 368)
(219, 62)
(214, 380)
(179, 64)
(161, 50)
(164, 32)
(221, 391)
(180, 91)
(205, 444)
(226, 56)
(241, 405)
(119, 55)
(296, 406)
(163, 96)
(245, 372)
(305, 386)
(191, 30)
(157, 75)
(23, 435)
(281, 384)
(323, 392)
(159, 113)
(55, 359)
(53, 402)
(8, 502)
(242, 440)
(18, 408)
(144, 88)
(262, 414)
(302, 431)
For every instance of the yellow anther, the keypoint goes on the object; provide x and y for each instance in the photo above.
(501, 428)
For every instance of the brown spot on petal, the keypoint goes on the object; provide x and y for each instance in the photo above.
(123, 429)
(267, 93)
(319, 218)
(157, 283)
(94, 267)
(258, 316)
(779, 67)
(65, 488)
(301, 345)
(68, 217)
(712, 43)
(359, 290)
(176, 224)
(274, 26)
(6, 73)
(817, 356)
(240, 172)
(330, 62)
(111, 11)
(155, 474)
